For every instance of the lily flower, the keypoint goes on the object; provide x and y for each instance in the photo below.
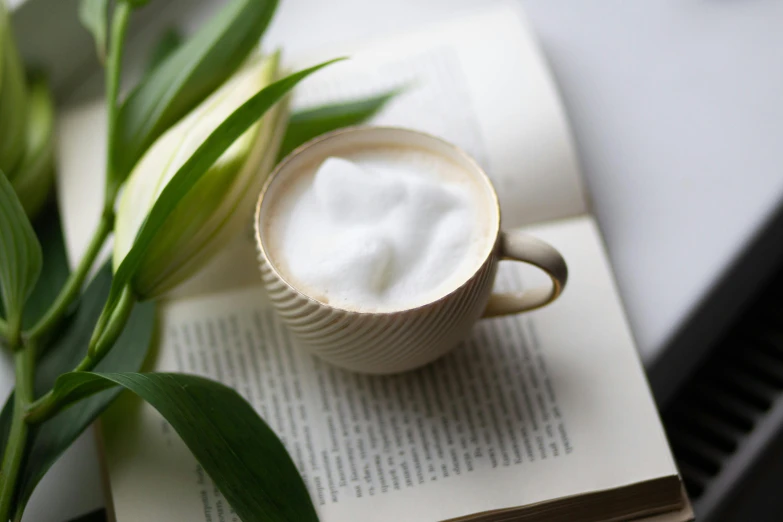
(219, 205)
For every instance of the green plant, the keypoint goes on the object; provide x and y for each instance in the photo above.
(75, 348)
(26, 125)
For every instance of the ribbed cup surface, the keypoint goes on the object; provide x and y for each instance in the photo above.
(387, 342)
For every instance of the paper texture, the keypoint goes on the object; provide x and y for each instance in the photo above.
(534, 407)
(481, 83)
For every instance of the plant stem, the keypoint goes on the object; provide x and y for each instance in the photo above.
(73, 285)
(25, 354)
(24, 361)
(13, 330)
(119, 26)
(112, 330)
(75, 280)
(46, 406)
(50, 404)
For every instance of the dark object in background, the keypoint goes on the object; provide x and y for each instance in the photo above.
(725, 425)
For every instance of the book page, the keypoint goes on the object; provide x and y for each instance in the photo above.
(480, 82)
(477, 81)
(532, 407)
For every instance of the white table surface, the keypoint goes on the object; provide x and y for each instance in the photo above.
(677, 112)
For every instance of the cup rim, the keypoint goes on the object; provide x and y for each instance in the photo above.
(477, 169)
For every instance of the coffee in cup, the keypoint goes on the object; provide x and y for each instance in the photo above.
(379, 228)
(379, 248)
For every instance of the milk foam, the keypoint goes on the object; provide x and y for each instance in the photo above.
(377, 232)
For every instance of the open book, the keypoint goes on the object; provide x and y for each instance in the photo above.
(543, 416)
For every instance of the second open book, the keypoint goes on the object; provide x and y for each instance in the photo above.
(543, 416)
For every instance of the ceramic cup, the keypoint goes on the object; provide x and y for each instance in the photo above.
(395, 341)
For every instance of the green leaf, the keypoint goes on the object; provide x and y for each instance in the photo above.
(20, 255)
(33, 177)
(54, 436)
(306, 124)
(53, 275)
(186, 77)
(170, 41)
(241, 454)
(5, 423)
(55, 269)
(13, 97)
(195, 167)
(93, 14)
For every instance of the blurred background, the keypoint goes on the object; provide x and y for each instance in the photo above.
(677, 114)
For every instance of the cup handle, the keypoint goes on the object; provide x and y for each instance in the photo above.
(518, 246)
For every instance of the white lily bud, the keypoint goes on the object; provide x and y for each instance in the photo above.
(217, 207)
